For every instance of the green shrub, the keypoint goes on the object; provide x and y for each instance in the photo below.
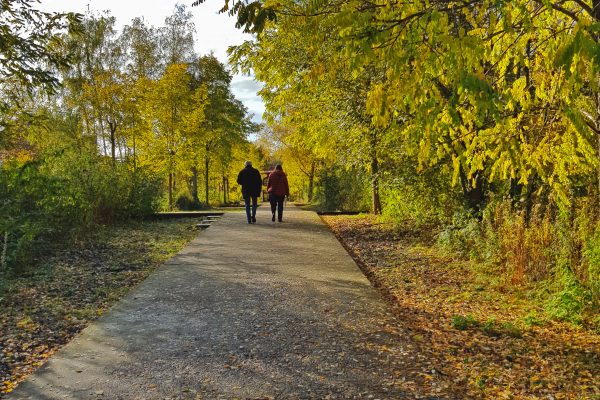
(553, 255)
(33, 206)
(185, 201)
(343, 190)
(144, 194)
(63, 192)
(463, 237)
(567, 298)
(418, 198)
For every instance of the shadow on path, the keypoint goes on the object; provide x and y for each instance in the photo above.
(269, 310)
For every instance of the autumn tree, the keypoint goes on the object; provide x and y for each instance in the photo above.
(141, 45)
(225, 123)
(462, 74)
(175, 108)
(176, 37)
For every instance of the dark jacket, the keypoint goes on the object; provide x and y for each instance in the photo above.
(251, 182)
(278, 184)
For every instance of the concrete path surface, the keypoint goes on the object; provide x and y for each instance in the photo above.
(264, 311)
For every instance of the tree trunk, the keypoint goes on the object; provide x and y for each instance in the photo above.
(195, 185)
(134, 155)
(123, 150)
(206, 165)
(227, 190)
(473, 190)
(170, 191)
(104, 147)
(375, 186)
(224, 190)
(113, 141)
(311, 181)
(598, 144)
(375, 176)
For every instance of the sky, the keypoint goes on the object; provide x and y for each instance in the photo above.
(214, 32)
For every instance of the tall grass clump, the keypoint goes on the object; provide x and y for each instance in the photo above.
(547, 251)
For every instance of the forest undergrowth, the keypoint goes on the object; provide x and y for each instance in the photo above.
(491, 337)
(42, 310)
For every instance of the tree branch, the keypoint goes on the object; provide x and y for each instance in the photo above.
(585, 7)
(559, 8)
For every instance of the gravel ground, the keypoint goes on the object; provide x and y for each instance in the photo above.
(262, 311)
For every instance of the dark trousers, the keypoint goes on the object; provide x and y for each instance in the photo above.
(250, 214)
(276, 204)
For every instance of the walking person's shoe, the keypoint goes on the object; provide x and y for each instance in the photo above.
(253, 220)
(273, 217)
(279, 219)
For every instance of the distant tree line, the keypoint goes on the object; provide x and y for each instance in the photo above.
(99, 125)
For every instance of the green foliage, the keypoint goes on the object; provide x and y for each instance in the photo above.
(462, 323)
(343, 190)
(490, 327)
(532, 319)
(568, 298)
(592, 258)
(421, 198)
(143, 189)
(185, 201)
(31, 208)
(120, 193)
(63, 192)
(27, 53)
(464, 236)
(538, 253)
(251, 15)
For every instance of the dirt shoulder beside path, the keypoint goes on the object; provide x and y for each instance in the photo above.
(487, 343)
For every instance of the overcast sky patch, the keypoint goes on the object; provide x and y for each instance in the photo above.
(214, 32)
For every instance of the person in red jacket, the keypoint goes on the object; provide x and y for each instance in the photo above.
(278, 188)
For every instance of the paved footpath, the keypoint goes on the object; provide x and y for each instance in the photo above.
(263, 311)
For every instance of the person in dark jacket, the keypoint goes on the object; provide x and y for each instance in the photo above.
(251, 182)
(278, 188)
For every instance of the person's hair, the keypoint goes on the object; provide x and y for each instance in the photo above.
(279, 167)
(247, 163)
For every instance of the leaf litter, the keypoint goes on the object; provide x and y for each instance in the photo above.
(45, 307)
(469, 333)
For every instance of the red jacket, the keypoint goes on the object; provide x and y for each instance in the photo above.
(278, 184)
